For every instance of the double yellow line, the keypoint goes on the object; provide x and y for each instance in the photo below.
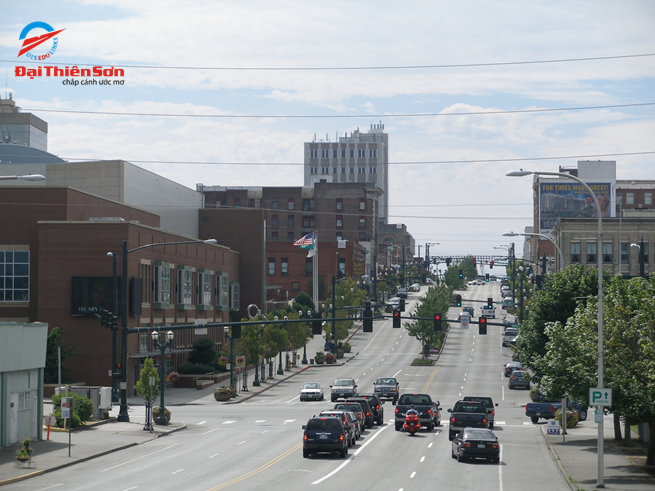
(427, 384)
(258, 470)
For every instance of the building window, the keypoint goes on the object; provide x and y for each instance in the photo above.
(608, 256)
(146, 273)
(343, 153)
(308, 222)
(271, 266)
(292, 204)
(645, 252)
(235, 296)
(284, 266)
(575, 252)
(162, 284)
(339, 221)
(373, 170)
(334, 170)
(251, 203)
(309, 266)
(334, 153)
(204, 289)
(342, 266)
(237, 202)
(289, 236)
(290, 221)
(362, 204)
(361, 153)
(372, 153)
(591, 252)
(274, 204)
(362, 222)
(222, 291)
(15, 276)
(274, 237)
(352, 153)
(325, 170)
(352, 170)
(295, 286)
(308, 205)
(143, 341)
(184, 287)
(648, 198)
(625, 252)
(313, 153)
(361, 170)
(362, 236)
(339, 204)
(325, 153)
(343, 170)
(275, 221)
(629, 198)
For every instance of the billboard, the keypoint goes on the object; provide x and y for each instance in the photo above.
(570, 199)
(89, 294)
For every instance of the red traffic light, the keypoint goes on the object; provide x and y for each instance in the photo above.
(483, 320)
(437, 317)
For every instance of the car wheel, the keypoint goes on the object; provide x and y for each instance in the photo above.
(491, 425)
(460, 457)
(305, 453)
(399, 426)
(583, 415)
(534, 419)
(430, 427)
(344, 452)
(451, 436)
(452, 452)
(496, 460)
(332, 399)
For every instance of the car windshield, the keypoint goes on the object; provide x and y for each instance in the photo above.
(484, 400)
(517, 374)
(349, 407)
(311, 386)
(346, 383)
(386, 381)
(323, 424)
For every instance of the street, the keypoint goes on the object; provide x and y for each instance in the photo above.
(257, 444)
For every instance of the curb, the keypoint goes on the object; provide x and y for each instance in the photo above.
(558, 461)
(277, 382)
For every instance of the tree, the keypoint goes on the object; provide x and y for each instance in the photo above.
(55, 340)
(436, 301)
(143, 387)
(275, 339)
(250, 343)
(303, 302)
(203, 353)
(347, 294)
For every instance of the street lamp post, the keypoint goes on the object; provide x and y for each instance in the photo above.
(599, 255)
(123, 416)
(161, 345)
(114, 331)
(641, 256)
(231, 338)
(543, 236)
(304, 348)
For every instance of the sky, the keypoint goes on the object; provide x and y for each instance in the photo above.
(225, 93)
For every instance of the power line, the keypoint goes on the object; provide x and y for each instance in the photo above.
(337, 116)
(336, 68)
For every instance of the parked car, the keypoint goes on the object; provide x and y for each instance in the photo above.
(509, 334)
(518, 380)
(343, 388)
(323, 434)
(511, 366)
(311, 391)
(507, 293)
(415, 287)
(402, 293)
(387, 388)
(474, 443)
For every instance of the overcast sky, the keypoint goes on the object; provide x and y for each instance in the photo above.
(433, 57)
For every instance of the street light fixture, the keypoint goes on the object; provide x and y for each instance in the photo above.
(161, 345)
(543, 236)
(28, 177)
(123, 416)
(599, 255)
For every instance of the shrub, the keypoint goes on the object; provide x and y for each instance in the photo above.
(422, 361)
(82, 409)
(196, 369)
(572, 417)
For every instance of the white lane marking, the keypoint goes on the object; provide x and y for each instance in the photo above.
(396, 374)
(460, 394)
(502, 387)
(376, 335)
(430, 445)
(380, 362)
(411, 476)
(260, 421)
(242, 442)
(422, 459)
(229, 422)
(212, 456)
(201, 423)
(127, 489)
(54, 486)
(291, 400)
(393, 348)
(527, 423)
(500, 423)
(265, 431)
(462, 387)
(500, 470)
(350, 459)
(288, 421)
(139, 458)
(208, 432)
(177, 472)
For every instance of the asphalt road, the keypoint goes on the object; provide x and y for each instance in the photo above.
(257, 444)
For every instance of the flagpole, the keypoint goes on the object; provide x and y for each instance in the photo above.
(315, 271)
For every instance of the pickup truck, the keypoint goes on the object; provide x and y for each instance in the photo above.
(547, 409)
(467, 414)
(428, 410)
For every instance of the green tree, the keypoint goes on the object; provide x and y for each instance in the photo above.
(275, 339)
(348, 294)
(436, 301)
(303, 302)
(143, 387)
(56, 340)
(203, 353)
(251, 343)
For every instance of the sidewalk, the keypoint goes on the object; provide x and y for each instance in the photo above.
(103, 437)
(577, 459)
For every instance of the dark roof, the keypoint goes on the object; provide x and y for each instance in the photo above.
(12, 153)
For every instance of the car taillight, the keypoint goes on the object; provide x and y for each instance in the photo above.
(466, 445)
(368, 414)
(341, 437)
(377, 407)
(493, 412)
(304, 437)
(396, 411)
(550, 409)
(495, 446)
(484, 420)
(512, 377)
(429, 412)
(452, 420)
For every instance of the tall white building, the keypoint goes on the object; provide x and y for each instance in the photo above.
(360, 157)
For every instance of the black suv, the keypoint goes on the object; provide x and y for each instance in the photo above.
(376, 407)
(324, 434)
(366, 406)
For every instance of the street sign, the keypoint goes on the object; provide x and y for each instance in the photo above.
(465, 321)
(50, 421)
(553, 427)
(600, 397)
(507, 303)
(65, 412)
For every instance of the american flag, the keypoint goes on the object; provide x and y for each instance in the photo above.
(307, 240)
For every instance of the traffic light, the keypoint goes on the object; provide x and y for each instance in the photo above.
(368, 318)
(486, 277)
(458, 300)
(317, 324)
(236, 332)
(490, 303)
(396, 319)
(117, 374)
(461, 274)
(401, 305)
(482, 326)
(491, 264)
(437, 322)
(475, 262)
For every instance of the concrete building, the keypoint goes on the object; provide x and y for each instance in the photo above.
(22, 360)
(360, 158)
(24, 129)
